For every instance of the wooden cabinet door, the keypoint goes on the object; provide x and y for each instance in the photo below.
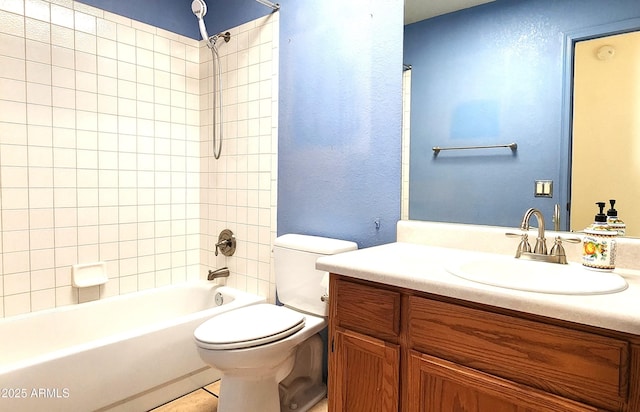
(364, 374)
(436, 385)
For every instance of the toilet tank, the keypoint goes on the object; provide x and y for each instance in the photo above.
(298, 283)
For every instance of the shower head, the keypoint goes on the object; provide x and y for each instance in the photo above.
(199, 8)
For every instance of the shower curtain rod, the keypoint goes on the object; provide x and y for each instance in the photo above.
(274, 6)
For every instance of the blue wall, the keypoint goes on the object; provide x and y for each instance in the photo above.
(492, 74)
(339, 110)
(340, 119)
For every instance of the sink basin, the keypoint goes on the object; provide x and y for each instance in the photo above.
(511, 273)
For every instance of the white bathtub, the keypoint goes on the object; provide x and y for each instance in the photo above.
(130, 352)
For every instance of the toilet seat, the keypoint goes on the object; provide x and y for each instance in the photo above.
(248, 327)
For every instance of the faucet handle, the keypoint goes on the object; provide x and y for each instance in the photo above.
(558, 250)
(524, 246)
(569, 239)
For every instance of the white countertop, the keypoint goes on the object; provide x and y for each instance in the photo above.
(422, 268)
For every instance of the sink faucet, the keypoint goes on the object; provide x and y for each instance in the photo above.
(541, 242)
(218, 273)
(557, 253)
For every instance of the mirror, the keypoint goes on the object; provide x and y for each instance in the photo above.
(495, 74)
(606, 136)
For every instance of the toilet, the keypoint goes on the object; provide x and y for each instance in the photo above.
(270, 356)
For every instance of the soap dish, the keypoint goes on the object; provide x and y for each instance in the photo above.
(89, 274)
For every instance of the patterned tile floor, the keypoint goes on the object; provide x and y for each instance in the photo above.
(206, 400)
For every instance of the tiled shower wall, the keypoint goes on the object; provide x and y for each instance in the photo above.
(239, 189)
(100, 156)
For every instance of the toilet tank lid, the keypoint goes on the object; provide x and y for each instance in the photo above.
(314, 244)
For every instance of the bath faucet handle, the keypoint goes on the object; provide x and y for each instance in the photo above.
(226, 243)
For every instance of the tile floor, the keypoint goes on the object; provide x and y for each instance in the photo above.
(206, 400)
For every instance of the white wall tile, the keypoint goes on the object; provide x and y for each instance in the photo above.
(38, 31)
(38, 218)
(62, 16)
(126, 34)
(15, 219)
(42, 259)
(43, 299)
(43, 279)
(15, 241)
(15, 262)
(12, 46)
(85, 23)
(62, 38)
(17, 304)
(12, 6)
(104, 125)
(85, 43)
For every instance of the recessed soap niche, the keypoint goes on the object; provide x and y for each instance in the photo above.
(89, 274)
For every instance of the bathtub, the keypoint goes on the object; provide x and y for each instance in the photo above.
(130, 352)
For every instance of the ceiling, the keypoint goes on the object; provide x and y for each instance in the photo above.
(416, 10)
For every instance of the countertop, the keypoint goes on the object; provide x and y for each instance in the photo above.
(423, 268)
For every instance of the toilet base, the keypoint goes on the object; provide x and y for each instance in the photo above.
(294, 385)
(303, 387)
(244, 394)
(305, 400)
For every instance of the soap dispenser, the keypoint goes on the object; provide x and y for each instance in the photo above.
(599, 243)
(614, 221)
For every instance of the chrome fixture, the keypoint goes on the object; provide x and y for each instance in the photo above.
(218, 273)
(226, 243)
(438, 149)
(199, 9)
(541, 242)
(274, 6)
(557, 253)
(556, 217)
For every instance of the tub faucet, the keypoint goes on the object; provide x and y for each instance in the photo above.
(218, 273)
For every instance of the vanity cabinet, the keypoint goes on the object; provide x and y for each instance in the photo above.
(394, 349)
(436, 385)
(364, 363)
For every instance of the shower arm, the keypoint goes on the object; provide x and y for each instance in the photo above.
(226, 36)
(274, 6)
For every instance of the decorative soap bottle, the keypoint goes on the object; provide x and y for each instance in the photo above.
(614, 221)
(599, 243)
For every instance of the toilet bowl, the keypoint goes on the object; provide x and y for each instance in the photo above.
(253, 364)
(270, 357)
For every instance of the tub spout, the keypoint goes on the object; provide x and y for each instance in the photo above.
(218, 273)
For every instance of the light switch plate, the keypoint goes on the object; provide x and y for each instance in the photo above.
(543, 188)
